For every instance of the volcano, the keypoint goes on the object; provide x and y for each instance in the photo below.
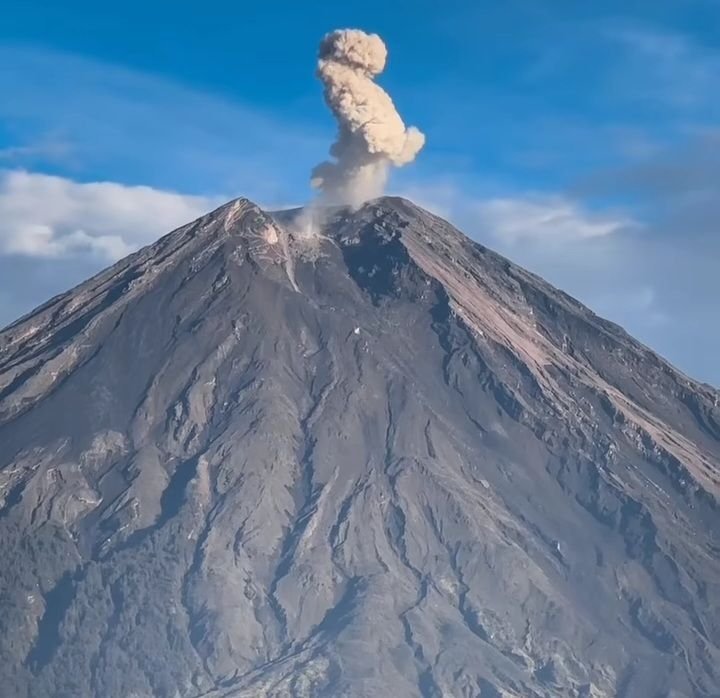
(380, 461)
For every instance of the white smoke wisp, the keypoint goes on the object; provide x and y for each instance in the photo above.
(371, 135)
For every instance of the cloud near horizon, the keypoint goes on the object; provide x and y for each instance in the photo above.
(49, 216)
(525, 217)
(546, 218)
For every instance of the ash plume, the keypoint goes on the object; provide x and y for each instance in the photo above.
(371, 135)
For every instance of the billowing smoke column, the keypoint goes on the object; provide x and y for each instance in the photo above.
(371, 135)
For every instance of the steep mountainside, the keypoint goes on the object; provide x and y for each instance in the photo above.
(383, 462)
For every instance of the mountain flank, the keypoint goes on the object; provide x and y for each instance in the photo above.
(382, 460)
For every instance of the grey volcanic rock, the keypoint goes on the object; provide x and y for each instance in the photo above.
(387, 462)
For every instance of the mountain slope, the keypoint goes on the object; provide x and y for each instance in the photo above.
(386, 461)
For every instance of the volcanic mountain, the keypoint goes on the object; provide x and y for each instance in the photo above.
(383, 461)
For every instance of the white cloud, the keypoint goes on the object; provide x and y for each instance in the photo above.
(509, 220)
(545, 218)
(49, 216)
(48, 147)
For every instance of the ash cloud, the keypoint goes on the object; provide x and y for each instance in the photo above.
(372, 136)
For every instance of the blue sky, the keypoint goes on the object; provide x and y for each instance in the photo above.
(580, 139)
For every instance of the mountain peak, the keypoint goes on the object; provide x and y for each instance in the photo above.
(381, 460)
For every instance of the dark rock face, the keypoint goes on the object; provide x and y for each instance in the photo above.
(386, 462)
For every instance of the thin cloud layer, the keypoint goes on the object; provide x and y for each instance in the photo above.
(96, 117)
(505, 221)
(49, 216)
(666, 67)
(545, 218)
